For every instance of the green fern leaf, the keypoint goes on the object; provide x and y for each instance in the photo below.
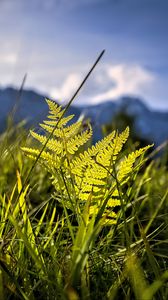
(126, 165)
(79, 140)
(53, 145)
(88, 175)
(54, 108)
(109, 154)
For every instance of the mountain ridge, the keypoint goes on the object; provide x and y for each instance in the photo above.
(150, 124)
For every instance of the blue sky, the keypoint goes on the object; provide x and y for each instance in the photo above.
(56, 41)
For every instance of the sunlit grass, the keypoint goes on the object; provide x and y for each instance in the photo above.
(48, 253)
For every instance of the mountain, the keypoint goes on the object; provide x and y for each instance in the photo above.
(29, 105)
(150, 125)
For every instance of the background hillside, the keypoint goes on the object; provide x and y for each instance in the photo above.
(148, 124)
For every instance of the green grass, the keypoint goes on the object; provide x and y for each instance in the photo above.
(49, 252)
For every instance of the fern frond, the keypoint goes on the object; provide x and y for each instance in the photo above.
(109, 217)
(54, 108)
(48, 158)
(65, 132)
(110, 153)
(58, 132)
(73, 129)
(120, 141)
(113, 202)
(61, 123)
(96, 171)
(53, 144)
(86, 175)
(80, 163)
(79, 140)
(100, 145)
(126, 166)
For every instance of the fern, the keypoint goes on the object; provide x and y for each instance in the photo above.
(126, 166)
(87, 174)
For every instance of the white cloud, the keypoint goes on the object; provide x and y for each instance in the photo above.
(110, 83)
(125, 80)
(68, 87)
(8, 58)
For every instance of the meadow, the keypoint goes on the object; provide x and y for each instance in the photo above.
(81, 221)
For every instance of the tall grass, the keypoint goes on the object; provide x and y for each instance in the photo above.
(46, 254)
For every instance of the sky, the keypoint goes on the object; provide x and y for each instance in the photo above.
(55, 42)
